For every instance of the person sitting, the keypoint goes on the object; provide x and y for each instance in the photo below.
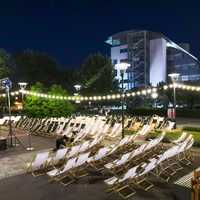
(61, 142)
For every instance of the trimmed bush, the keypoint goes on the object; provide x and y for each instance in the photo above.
(188, 128)
(188, 113)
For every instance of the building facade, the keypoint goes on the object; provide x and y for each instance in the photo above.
(151, 56)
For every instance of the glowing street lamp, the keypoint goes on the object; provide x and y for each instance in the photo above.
(154, 95)
(22, 86)
(77, 88)
(174, 78)
(122, 67)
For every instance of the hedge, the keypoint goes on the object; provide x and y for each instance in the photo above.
(163, 112)
(188, 128)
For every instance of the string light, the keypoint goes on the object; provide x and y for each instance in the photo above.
(107, 97)
(165, 87)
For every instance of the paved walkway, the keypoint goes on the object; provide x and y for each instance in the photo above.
(13, 160)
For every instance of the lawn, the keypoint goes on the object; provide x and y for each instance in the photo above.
(174, 134)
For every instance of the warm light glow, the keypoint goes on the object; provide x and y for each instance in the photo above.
(154, 95)
(133, 94)
(118, 96)
(144, 92)
(165, 87)
(107, 97)
(149, 91)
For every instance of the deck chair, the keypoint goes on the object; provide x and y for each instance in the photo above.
(184, 155)
(77, 171)
(183, 136)
(99, 159)
(181, 149)
(74, 151)
(84, 147)
(141, 180)
(121, 146)
(118, 165)
(81, 135)
(96, 144)
(115, 130)
(56, 174)
(59, 157)
(167, 164)
(38, 164)
(170, 125)
(145, 130)
(121, 186)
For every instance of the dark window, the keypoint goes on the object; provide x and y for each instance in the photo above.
(115, 61)
(124, 60)
(115, 72)
(123, 50)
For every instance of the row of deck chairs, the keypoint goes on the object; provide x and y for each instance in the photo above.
(5, 120)
(79, 128)
(155, 122)
(127, 163)
(163, 166)
(85, 124)
(44, 160)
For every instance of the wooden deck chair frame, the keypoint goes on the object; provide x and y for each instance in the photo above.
(76, 172)
(41, 170)
(98, 165)
(59, 176)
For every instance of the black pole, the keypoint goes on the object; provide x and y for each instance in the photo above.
(10, 123)
(174, 88)
(122, 103)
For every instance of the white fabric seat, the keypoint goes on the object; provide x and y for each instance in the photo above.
(40, 160)
(69, 165)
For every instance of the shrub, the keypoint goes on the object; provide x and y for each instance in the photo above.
(188, 128)
(142, 111)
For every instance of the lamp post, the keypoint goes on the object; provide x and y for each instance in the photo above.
(22, 86)
(77, 88)
(154, 96)
(7, 85)
(174, 78)
(122, 67)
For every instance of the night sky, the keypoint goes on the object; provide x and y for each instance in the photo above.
(70, 30)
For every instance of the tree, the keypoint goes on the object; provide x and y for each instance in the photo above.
(58, 108)
(4, 64)
(35, 67)
(42, 107)
(97, 75)
(33, 106)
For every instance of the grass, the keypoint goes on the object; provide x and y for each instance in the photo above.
(171, 135)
